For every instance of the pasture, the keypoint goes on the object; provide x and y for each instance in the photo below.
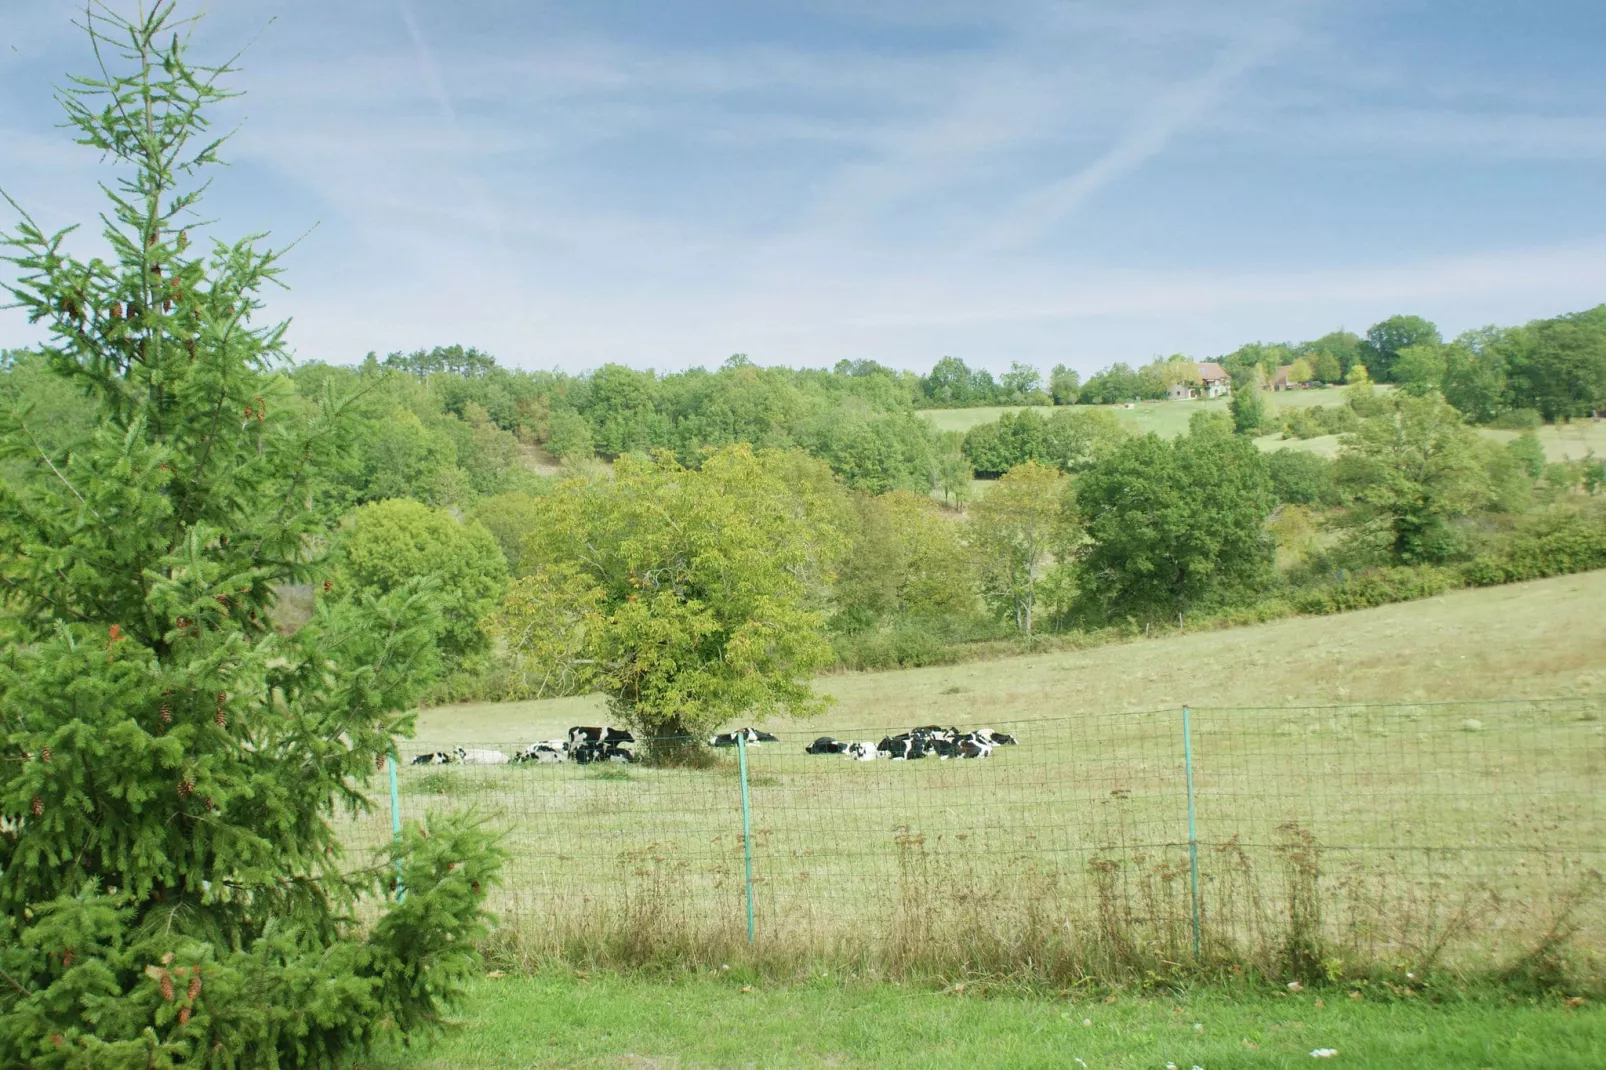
(1166, 418)
(1568, 441)
(1415, 831)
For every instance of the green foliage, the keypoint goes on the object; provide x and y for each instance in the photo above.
(689, 597)
(1410, 472)
(1375, 587)
(393, 544)
(1475, 374)
(1320, 420)
(1558, 366)
(508, 517)
(172, 890)
(1420, 369)
(1015, 530)
(905, 560)
(1248, 408)
(1302, 478)
(1064, 385)
(1175, 525)
(1385, 341)
(1558, 542)
(1529, 453)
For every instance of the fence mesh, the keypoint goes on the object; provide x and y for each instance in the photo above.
(1431, 831)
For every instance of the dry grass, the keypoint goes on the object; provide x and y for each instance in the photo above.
(1332, 839)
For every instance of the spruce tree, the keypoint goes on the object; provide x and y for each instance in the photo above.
(173, 771)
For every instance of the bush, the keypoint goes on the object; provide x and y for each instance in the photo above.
(1518, 420)
(1375, 587)
(1556, 545)
(1302, 478)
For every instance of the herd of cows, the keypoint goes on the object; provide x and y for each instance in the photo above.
(604, 743)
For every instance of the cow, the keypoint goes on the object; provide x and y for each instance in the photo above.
(904, 748)
(751, 736)
(481, 757)
(435, 757)
(971, 745)
(825, 745)
(599, 734)
(861, 752)
(598, 751)
(546, 751)
(996, 739)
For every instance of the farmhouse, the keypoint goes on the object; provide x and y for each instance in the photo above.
(1282, 381)
(1211, 382)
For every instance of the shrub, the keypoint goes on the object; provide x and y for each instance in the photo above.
(1375, 587)
(1302, 478)
(1518, 420)
(1558, 544)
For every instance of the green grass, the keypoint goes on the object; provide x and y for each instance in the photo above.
(1167, 418)
(561, 1019)
(1170, 418)
(1066, 857)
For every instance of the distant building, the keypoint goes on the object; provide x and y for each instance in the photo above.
(1280, 381)
(1212, 382)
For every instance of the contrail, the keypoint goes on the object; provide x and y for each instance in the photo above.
(426, 61)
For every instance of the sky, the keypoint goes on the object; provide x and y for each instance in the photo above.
(664, 184)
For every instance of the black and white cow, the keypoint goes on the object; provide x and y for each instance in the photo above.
(751, 736)
(599, 734)
(826, 745)
(996, 739)
(904, 748)
(861, 752)
(590, 751)
(475, 756)
(548, 751)
(971, 745)
(434, 757)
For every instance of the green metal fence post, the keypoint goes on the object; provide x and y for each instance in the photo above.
(395, 818)
(747, 828)
(1193, 829)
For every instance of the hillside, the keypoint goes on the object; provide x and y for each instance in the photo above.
(1170, 418)
(1531, 639)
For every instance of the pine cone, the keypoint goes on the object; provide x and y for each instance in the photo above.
(44, 753)
(195, 984)
(167, 714)
(183, 1016)
(167, 986)
(186, 788)
(221, 718)
(67, 958)
(37, 807)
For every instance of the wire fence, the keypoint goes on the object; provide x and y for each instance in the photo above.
(1443, 832)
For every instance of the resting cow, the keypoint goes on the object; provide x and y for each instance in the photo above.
(597, 751)
(861, 752)
(481, 757)
(752, 736)
(825, 745)
(546, 751)
(435, 757)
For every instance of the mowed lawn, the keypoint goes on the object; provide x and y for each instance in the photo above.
(560, 1019)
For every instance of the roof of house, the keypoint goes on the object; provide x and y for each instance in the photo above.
(1210, 370)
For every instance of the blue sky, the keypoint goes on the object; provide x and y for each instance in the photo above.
(663, 184)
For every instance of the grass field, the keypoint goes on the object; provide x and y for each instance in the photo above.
(558, 1019)
(1170, 418)
(1167, 418)
(1409, 832)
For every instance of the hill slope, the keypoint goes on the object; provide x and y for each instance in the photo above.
(1531, 639)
